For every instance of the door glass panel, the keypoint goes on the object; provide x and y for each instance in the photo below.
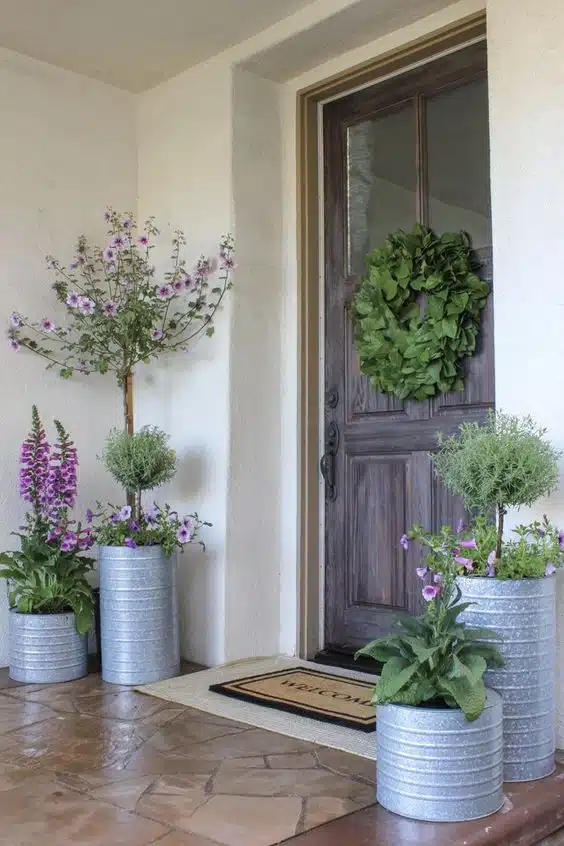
(458, 164)
(381, 182)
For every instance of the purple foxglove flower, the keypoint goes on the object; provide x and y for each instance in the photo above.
(47, 325)
(550, 569)
(468, 544)
(438, 578)
(404, 542)
(179, 285)
(430, 592)
(124, 514)
(73, 300)
(183, 535)
(421, 572)
(130, 543)
(15, 320)
(15, 344)
(165, 292)
(118, 242)
(109, 309)
(143, 240)
(157, 334)
(86, 305)
(464, 562)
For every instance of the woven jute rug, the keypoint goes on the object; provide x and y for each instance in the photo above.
(242, 677)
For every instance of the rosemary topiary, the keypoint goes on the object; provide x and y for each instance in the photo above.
(139, 462)
(503, 463)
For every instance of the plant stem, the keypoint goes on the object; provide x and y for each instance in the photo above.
(500, 516)
(128, 421)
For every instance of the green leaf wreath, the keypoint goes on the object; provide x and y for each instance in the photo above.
(417, 313)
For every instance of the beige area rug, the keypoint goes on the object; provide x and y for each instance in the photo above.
(193, 690)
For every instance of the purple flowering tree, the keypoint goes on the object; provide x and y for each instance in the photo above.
(48, 575)
(118, 312)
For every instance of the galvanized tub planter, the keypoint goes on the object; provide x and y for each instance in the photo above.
(432, 764)
(138, 615)
(523, 613)
(46, 648)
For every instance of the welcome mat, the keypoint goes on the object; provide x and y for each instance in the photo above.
(308, 693)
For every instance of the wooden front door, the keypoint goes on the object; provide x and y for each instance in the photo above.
(410, 149)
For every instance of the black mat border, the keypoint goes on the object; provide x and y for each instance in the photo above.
(297, 710)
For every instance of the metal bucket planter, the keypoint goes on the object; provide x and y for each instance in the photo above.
(432, 764)
(138, 615)
(523, 613)
(46, 648)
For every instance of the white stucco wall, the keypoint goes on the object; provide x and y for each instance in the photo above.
(185, 181)
(526, 77)
(68, 149)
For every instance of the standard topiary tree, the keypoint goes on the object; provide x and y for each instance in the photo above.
(503, 463)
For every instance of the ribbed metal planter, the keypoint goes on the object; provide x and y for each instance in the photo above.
(138, 615)
(523, 613)
(46, 648)
(432, 764)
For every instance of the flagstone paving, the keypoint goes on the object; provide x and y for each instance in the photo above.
(98, 764)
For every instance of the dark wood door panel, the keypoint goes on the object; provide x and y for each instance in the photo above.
(382, 471)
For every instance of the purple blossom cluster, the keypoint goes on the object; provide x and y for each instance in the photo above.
(48, 481)
(146, 527)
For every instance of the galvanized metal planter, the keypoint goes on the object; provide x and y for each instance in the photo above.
(46, 648)
(138, 615)
(432, 764)
(523, 613)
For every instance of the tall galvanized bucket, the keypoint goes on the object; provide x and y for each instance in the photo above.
(138, 615)
(523, 613)
(46, 648)
(432, 764)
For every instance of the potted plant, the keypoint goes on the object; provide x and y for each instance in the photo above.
(504, 463)
(138, 599)
(439, 738)
(50, 598)
(118, 313)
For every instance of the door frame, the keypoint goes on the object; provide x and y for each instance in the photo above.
(309, 230)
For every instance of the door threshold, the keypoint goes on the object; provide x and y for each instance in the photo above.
(331, 658)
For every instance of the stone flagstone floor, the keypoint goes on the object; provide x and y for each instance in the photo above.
(97, 764)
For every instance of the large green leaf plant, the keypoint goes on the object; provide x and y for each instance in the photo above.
(434, 659)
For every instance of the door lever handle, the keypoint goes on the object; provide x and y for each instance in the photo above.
(327, 464)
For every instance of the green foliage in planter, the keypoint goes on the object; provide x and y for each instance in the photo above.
(417, 313)
(435, 659)
(44, 580)
(503, 463)
(140, 462)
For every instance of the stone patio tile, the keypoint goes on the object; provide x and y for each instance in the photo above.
(246, 820)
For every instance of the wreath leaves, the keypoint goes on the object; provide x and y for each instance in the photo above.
(416, 313)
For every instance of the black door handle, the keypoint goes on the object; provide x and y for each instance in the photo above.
(327, 463)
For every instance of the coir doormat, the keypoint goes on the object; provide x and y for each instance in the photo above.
(308, 693)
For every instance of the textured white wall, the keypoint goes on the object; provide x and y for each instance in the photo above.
(526, 78)
(68, 149)
(185, 181)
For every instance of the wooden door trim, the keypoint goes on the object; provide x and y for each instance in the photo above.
(310, 342)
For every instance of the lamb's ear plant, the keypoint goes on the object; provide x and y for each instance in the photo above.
(434, 658)
(506, 462)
